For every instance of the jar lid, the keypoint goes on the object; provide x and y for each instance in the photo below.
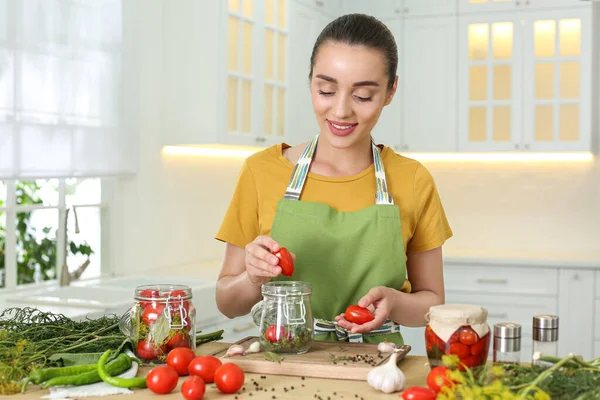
(545, 321)
(507, 330)
(463, 314)
(286, 288)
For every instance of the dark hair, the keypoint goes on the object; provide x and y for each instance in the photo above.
(360, 30)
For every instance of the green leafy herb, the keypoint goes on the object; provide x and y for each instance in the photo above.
(270, 356)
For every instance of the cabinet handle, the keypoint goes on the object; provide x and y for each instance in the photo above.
(319, 3)
(499, 315)
(492, 281)
(516, 146)
(517, 3)
(243, 328)
(406, 10)
(396, 147)
(398, 11)
(405, 147)
(526, 147)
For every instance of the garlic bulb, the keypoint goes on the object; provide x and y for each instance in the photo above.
(386, 347)
(387, 378)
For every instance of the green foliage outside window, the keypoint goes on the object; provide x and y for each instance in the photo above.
(31, 250)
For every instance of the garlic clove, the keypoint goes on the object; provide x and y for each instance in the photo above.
(235, 350)
(254, 348)
(386, 347)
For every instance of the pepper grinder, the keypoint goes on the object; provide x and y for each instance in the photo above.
(545, 336)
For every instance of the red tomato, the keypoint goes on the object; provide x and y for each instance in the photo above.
(460, 350)
(468, 336)
(478, 348)
(418, 393)
(204, 367)
(149, 294)
(229, 378)
(454, 338)
(438, 378)
(147, 350)
(179, 359)
(358, 315)
(152, 312)
(177, 293)
(470, 362)
(286, 262)
(179, 339)
(193, 388)
(274, 335)
(162, 379)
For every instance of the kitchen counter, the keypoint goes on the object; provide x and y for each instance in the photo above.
(415, 369)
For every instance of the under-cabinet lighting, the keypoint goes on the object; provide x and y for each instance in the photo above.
(245, 151)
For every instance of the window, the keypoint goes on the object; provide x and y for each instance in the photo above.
(257, 40)
(41, 221)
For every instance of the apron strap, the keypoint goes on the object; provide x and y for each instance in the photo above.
(300, 173)
(323, 326)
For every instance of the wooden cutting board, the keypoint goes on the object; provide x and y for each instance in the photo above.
(334, 360)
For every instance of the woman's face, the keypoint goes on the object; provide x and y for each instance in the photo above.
(349, 89)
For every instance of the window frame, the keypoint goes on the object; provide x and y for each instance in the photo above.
(11, 209)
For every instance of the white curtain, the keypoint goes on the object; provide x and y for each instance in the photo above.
(65, 108)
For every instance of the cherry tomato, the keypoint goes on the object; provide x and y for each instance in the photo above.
(152, 312)
(178, 339)
(193, 388)
(471, 361)
(418, 393)
(162, 379)
(286, 262)
(229, 378)
(204, 367)
(454, 338)
(177, 293)
(358, 315)
(149, 294)
(147, 350)
(274, 335)
(478, 348)
(438, 378)
(179, 359)
(460, 350)
(468, 336)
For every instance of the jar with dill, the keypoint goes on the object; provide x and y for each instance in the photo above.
(286, 323)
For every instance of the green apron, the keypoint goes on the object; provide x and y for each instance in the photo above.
(342, 254)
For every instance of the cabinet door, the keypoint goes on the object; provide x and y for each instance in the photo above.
(429, 96)
(576, 313)
(489, 82)
(546, 4)
(305, 25)
(331, 8)
(557, 99)
(388, 129)
(429, 7)
(486, 6)
(382, 9)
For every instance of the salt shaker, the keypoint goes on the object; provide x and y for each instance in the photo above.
(507, 342)
(545, 336)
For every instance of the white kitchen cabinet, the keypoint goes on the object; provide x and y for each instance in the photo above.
(429, 96)
(514, 98)
(330, 8)
(488, 6)
(429, 7)
(381, 9)
(388, 129)
(305, 26)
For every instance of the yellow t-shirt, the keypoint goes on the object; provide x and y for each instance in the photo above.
(265, 175)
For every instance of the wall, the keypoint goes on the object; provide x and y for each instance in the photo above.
(167, 215)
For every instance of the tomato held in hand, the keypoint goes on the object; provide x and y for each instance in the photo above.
(204, 367)
(193, 388)
(418, 393)
(229, 378)
(286, 262)
(179, 359)
(358, 315)
(162, 379)
(438, 378)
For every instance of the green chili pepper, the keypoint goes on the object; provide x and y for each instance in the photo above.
(115, 381)
(117, 366)
(42, 375)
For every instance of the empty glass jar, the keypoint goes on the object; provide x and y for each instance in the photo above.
(286, 323)
(162, 318)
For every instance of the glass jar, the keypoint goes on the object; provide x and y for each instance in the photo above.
(459, 329)
(162, 318)
(286, 323)
(507, 343)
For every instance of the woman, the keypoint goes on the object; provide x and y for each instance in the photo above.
(362, 218)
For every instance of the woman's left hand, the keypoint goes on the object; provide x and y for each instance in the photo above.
(380, 298)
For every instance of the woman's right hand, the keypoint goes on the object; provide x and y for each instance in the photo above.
(260, 261)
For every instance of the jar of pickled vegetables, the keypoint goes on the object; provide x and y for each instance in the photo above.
(162, 318)
(459, 329)
(286, 323)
